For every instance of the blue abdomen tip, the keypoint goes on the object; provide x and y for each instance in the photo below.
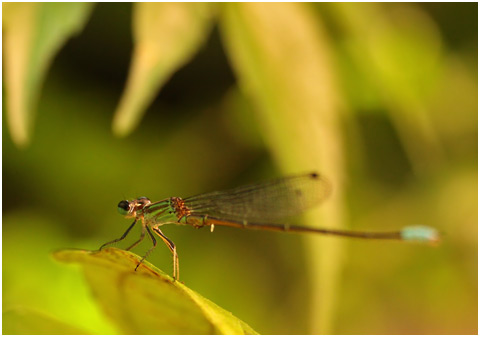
(420, 233)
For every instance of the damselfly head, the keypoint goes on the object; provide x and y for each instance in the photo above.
(129, 208)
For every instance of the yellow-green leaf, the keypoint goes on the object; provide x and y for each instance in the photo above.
(281, 57)
(148, 301)
(166, 36)
(33, 33)
(23, 321)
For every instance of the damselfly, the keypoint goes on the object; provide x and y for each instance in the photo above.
(255, 206)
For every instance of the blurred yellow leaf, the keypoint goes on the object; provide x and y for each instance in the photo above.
(33, 33)
(23, 321)
(148, 301)
(166, 36)
(281, 58)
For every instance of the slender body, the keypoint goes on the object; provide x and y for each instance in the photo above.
(255, 206)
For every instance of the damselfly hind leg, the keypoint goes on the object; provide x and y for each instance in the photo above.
(121, 238)
(173, 249)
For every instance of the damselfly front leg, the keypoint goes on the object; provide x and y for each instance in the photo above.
(122, 237)
(139, 240)
(150, 250)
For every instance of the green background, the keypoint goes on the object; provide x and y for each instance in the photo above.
(202, 133)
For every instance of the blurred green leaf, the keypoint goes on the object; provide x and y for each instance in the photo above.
(23, 321)
(33, 33)
(166, 36)
(148, 301)
(398, 50)
(282, 61)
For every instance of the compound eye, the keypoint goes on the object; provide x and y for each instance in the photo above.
(123, 207)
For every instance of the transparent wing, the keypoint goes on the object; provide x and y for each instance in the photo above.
(266, 201)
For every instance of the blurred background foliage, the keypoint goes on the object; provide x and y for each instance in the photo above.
(381, 98)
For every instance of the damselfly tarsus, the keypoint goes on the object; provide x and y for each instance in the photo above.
(255, 206)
